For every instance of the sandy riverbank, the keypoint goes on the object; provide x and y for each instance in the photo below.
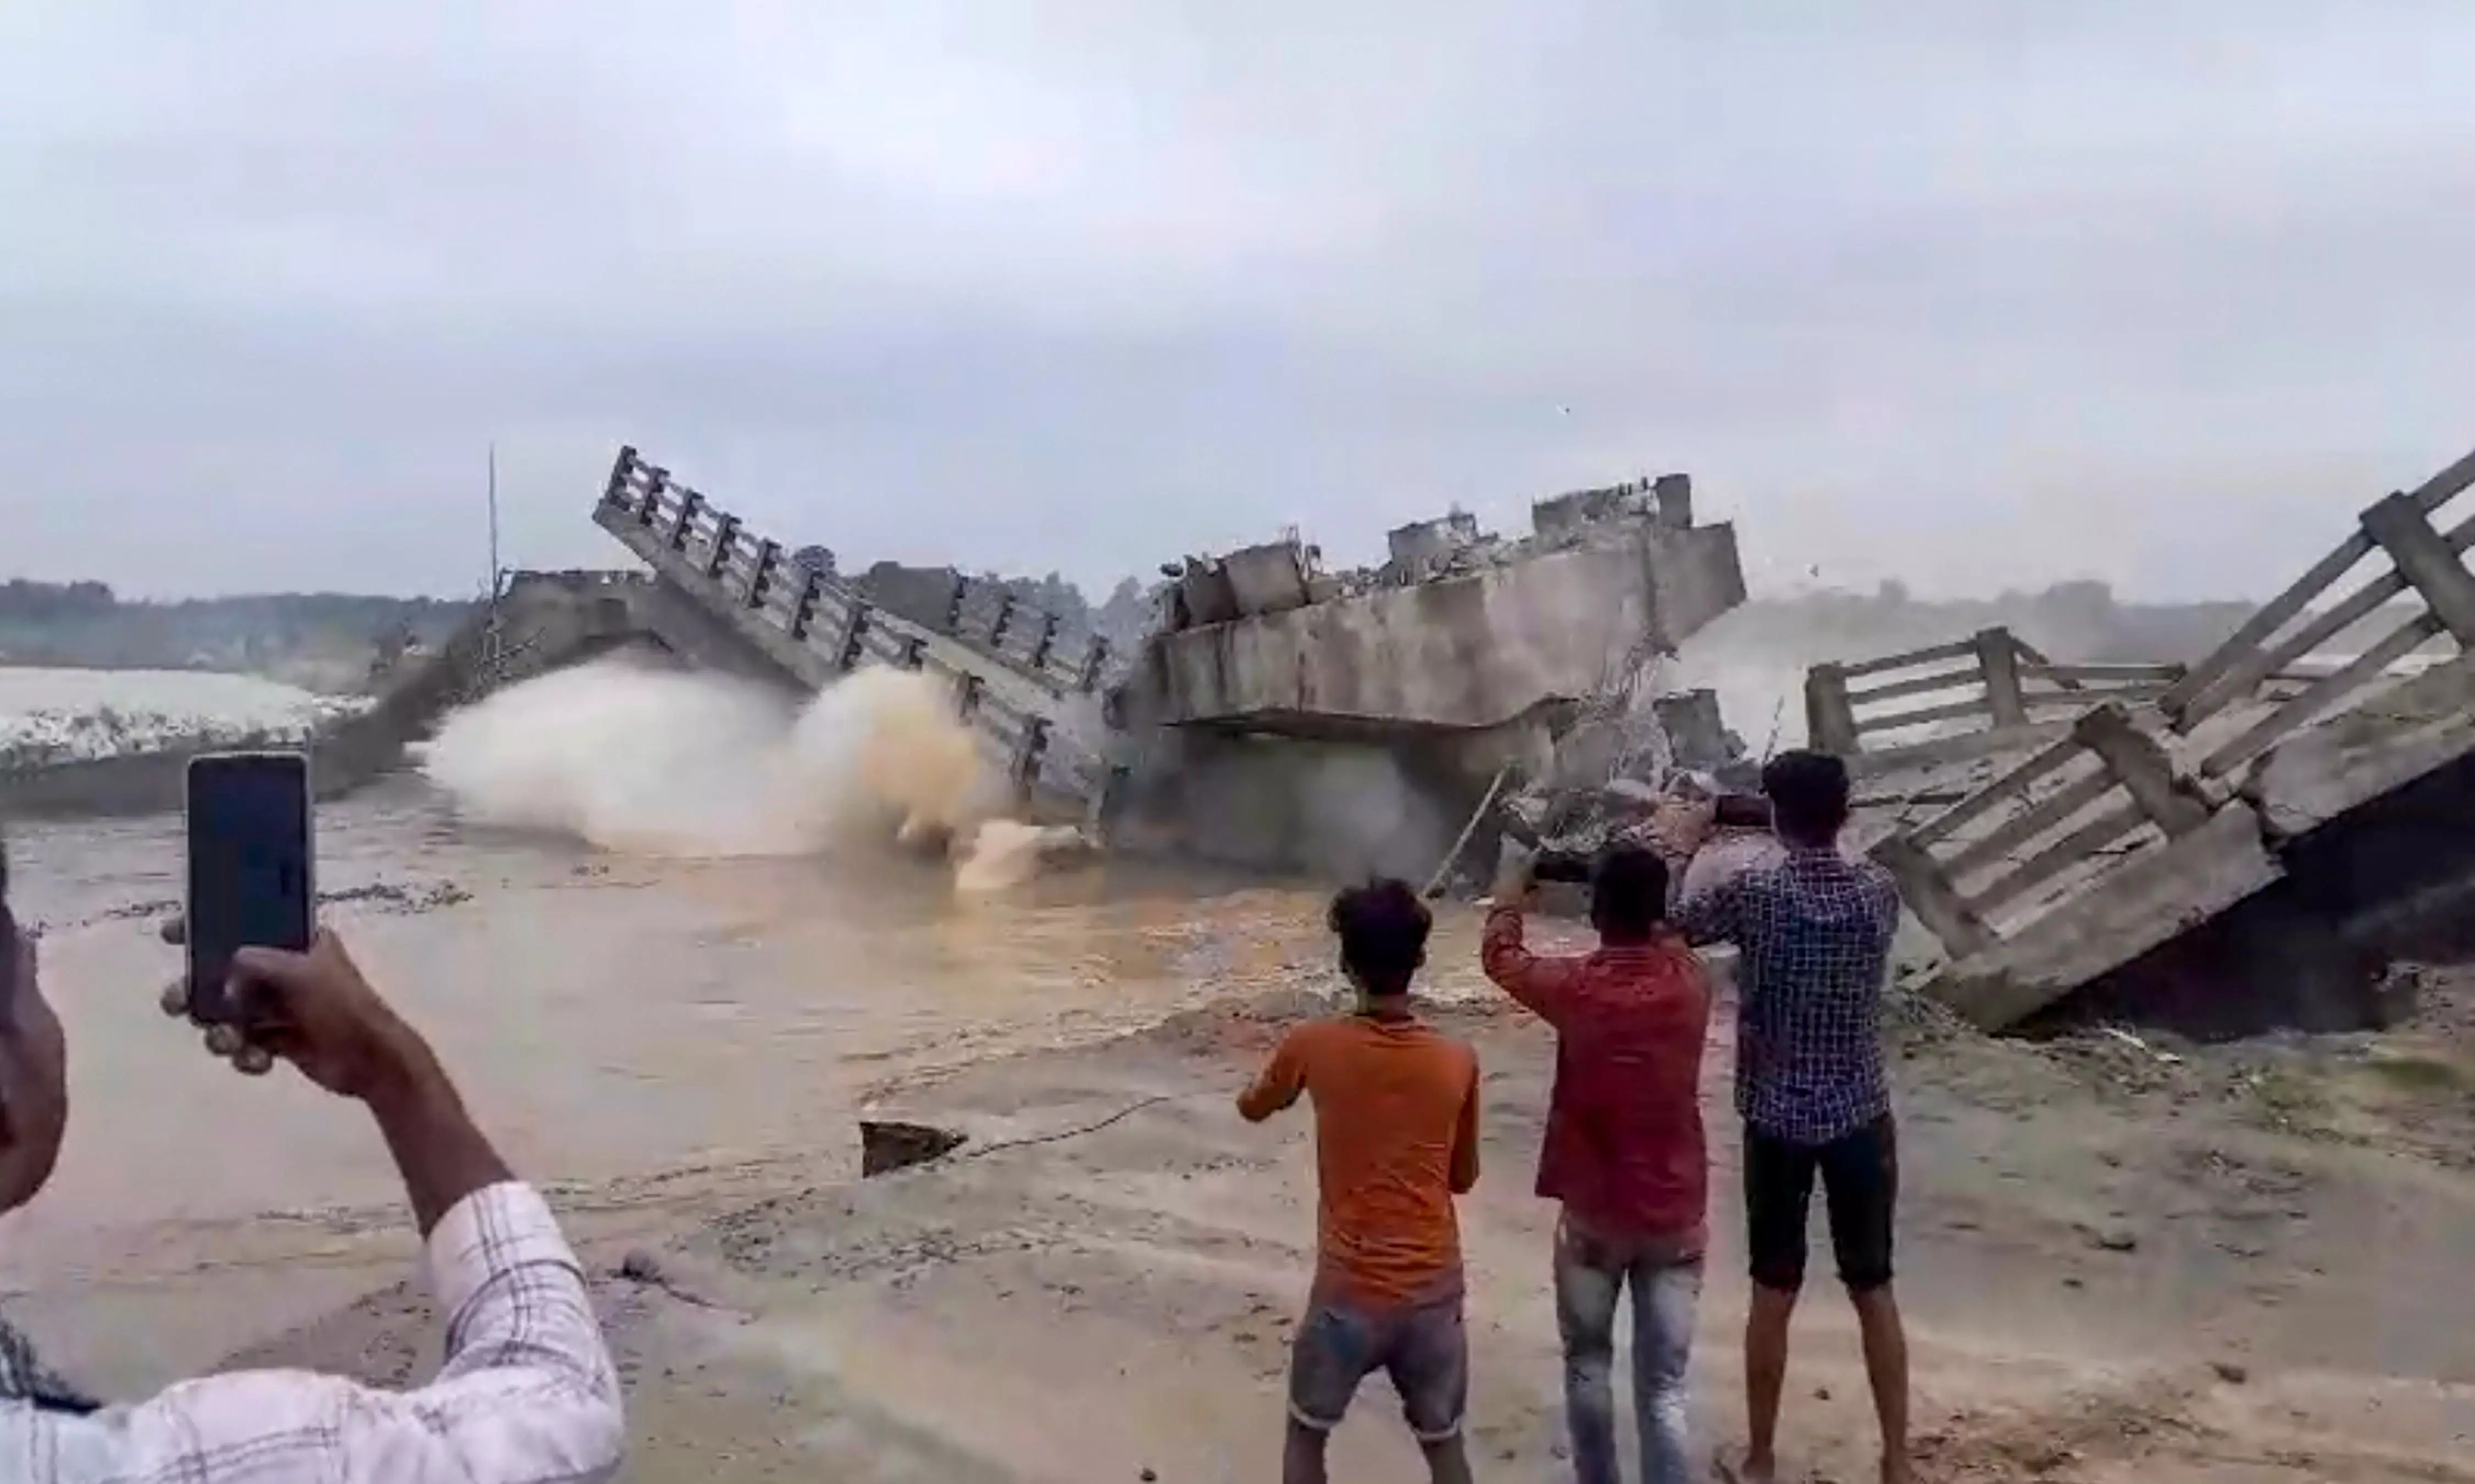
(2243, 1263)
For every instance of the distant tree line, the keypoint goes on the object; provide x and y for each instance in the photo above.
(2079, 620)
(49, 602)
(323, 640)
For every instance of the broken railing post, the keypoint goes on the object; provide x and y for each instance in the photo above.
(769, 552)
(2144, 769)
(804, 612)
(621, 470)
(2427, 562)
(1095, 661)
(1930, 895)
(854, 628)
(690, 502)
(1997, 657)
(1829, 719)
(725, 535)
(1027, 756)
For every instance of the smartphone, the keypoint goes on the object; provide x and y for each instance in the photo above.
(250, 866)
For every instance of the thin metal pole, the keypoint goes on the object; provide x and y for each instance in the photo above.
(493, 641)
(1452, 857)
(494, 522)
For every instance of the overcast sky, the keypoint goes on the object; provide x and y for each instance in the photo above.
(1973, 294)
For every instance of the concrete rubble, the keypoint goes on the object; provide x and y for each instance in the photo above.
(1287, 574)
(1286, 716)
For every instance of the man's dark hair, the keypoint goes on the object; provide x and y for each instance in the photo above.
(1808, 794)
(1382, 929)
(1628, 894)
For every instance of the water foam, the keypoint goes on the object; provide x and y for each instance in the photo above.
(661, 761)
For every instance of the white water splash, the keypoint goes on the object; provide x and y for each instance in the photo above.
(662, 762)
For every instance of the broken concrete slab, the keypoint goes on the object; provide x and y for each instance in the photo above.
(2144, 903)
(1469, 651)
(2089, 862)
(2390, 741)
(887, 1145)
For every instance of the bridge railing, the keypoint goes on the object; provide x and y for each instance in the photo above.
(2128, 780)
(987, 616)
(803, 600)
(1009, 663)
(1991, 681)
(2403, 567)
(2105, 790)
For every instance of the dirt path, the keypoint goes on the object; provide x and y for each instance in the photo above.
(2117, 1266)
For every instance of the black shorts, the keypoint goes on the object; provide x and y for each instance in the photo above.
(1860, 1181)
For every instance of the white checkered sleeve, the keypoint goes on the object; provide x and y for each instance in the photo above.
(527, 1394)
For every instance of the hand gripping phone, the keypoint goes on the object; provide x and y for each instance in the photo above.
(250, 877)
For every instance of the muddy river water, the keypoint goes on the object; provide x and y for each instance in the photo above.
(609, 1018)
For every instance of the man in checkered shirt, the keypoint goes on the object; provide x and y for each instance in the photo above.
(1813, 931)
(527, 1395)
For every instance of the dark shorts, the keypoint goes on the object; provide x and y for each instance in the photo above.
(1860, 1181)
(1423, 1347)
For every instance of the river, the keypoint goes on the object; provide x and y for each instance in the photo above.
(647, 1030)
(610, 1019)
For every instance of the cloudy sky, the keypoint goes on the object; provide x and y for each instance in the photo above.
(1971, 292)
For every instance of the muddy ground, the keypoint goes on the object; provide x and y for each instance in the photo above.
(2120, 1261)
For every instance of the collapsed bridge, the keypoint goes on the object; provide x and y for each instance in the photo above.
(1279, 714)
(2244, 840)
(1027, 688)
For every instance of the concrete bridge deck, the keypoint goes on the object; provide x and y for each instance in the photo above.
(1026, 688)
(2121, 854)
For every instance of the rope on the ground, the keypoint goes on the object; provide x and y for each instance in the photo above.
(1120, 1116)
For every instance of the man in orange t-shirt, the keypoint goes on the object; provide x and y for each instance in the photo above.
(1396, 1138)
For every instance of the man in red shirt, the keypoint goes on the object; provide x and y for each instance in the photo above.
(1396, 1139)
(1624, 1151)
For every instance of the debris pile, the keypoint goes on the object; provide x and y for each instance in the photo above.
(1286, 573)
(1628, 752)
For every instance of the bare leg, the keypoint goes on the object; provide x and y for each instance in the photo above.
(1447, 1462)
(1765, 1377)
(1301, 1459)
(1886, 1367)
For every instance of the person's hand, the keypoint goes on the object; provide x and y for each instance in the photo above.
(315, 1011)
(224, 1041)
(1516, 875)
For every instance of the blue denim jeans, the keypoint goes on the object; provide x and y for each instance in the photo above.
(1424, 1346)
(1591, 1275)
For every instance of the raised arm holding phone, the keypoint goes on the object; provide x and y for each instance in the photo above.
(1624, 1157)
(527, 1395)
